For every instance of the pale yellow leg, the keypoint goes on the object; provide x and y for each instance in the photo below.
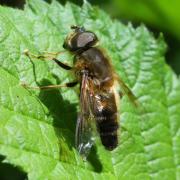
(44, 56)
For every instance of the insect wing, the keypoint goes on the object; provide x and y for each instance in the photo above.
(133, 99)
(85, 121)
(125, 89)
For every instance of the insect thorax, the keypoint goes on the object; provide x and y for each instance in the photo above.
(97, 65)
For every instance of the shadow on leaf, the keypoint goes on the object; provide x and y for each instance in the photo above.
(65, 114)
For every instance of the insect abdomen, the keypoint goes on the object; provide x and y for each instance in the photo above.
(106, 121)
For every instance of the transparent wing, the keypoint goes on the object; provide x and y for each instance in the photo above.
(85, 122)
(125, 89)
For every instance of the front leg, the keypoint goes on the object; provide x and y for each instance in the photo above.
(49, 56)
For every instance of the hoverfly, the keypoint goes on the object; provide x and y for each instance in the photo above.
(98, 94)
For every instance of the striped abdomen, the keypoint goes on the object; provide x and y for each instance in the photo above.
(106, 119)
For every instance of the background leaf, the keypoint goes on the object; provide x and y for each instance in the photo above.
(163, 14)
(37, 127)
(160, 16)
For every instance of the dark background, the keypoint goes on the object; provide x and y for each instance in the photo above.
(157, 15)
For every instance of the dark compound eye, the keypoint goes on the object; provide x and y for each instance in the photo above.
(80, 39)
(86, 39)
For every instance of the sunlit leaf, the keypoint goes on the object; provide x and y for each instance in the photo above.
(37, 127)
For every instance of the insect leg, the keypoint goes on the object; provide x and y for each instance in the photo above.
(53, 53)
(62, 65)
(49, 56)
(70, 84)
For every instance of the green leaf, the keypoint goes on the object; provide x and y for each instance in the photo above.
(37, 127)
(162, 14)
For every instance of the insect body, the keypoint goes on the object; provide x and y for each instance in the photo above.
(98, 96)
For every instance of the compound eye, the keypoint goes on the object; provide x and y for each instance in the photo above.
(80, 40)
(86, 39)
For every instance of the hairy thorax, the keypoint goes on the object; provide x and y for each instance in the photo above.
(97, 66)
